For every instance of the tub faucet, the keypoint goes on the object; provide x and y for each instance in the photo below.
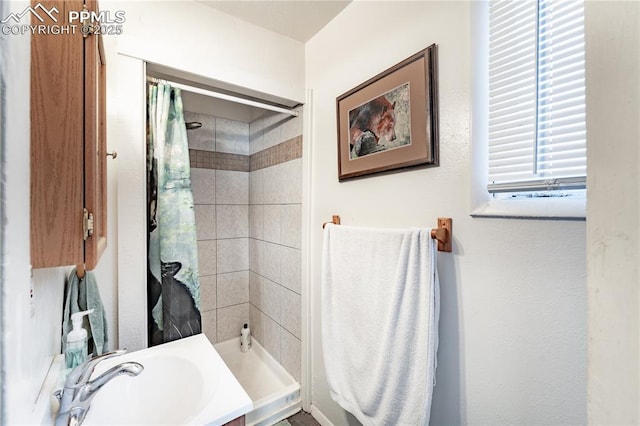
(75, 398)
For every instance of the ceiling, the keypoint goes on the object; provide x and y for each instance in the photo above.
(297, 19)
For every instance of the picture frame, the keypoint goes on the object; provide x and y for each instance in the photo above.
(390, 121)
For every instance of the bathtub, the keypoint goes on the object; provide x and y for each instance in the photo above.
(274, 393)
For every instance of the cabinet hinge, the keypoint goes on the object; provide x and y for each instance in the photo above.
(87, 28)
(87, 224)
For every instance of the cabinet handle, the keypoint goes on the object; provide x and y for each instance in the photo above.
(112, 154)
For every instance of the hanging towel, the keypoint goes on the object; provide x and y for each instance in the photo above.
(380, 309)
(82, 294)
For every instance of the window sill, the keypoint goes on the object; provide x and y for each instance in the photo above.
(534, 208)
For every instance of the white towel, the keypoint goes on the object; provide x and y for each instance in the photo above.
(380, 309)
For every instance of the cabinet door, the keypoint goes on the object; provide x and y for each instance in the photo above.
(95, 144)
(57, 143)
(68, 142)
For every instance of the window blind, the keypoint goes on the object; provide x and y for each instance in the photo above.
(537, 133)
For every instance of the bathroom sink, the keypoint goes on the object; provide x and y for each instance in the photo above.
(183, 382)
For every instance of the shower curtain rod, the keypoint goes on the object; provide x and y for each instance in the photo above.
(225, 97)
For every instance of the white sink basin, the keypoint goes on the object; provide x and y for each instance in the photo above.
(183, 382)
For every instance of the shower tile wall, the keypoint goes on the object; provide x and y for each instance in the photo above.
(220, 181)
(247, 185)
(275, 197)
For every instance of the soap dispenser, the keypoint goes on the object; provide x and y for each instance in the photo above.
(76, 352)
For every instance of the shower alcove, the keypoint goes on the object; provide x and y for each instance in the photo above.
(246, 172)
(246, 176)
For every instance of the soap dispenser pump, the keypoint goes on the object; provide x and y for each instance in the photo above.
(76, 352)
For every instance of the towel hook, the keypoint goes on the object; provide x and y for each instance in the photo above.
(335, 219)
(80, 271)
(443, 234)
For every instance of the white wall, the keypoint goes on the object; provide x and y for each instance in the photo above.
(613, 211)
(32, 325)
(15, 279)
(513, 302)
(193, 38)
(31, 332)
(189, 36)
(27, 343)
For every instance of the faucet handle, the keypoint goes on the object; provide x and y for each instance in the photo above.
(83, 372)
(80, 376)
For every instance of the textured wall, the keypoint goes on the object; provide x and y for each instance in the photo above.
(513, 292)
(613, 210)
(249, 230)
(221, 199)
(275, 237)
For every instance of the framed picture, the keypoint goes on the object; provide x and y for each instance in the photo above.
(390, 122)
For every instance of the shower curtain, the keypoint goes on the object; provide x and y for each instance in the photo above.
(173, 291)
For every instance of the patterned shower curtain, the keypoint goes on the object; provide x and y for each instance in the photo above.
(173, 291)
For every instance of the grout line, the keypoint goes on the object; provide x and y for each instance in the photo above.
(230, 306)
(271, 242)
(272, 319)
(275, 282)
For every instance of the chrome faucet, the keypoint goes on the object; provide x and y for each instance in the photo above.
(75, 398)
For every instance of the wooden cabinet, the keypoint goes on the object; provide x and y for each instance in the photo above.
(240, 421)
(68, 142)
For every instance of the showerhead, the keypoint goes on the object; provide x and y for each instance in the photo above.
(191, 125)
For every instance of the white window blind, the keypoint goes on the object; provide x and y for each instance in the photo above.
(537, 133)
